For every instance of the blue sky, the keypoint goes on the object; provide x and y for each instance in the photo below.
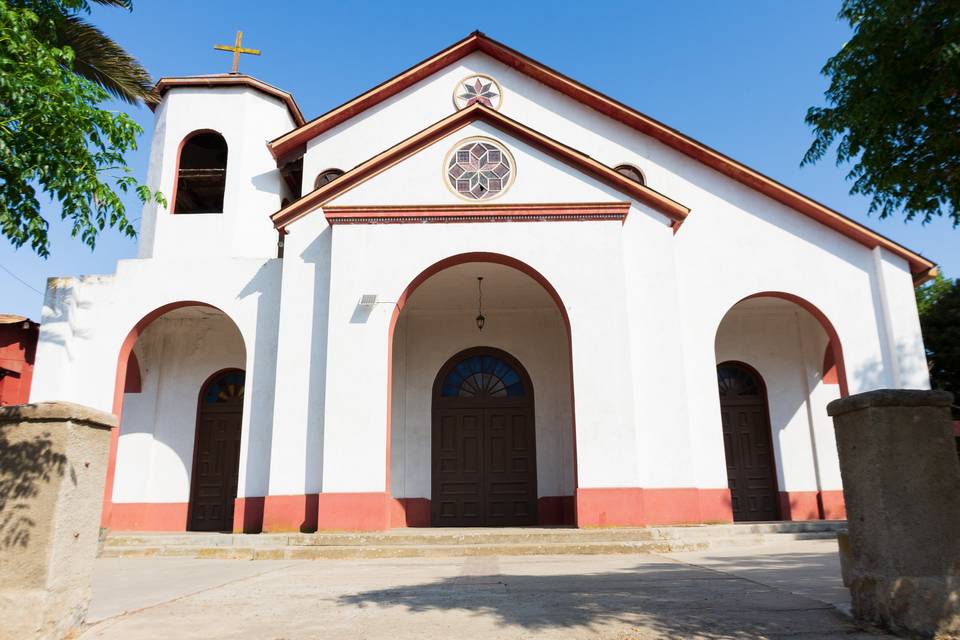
(738, 76)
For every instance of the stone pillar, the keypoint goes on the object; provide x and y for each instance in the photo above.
(901, 483)
(53, 458)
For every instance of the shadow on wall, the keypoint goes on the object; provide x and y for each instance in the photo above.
(667, 599)
(873, 375)
(318, 254)
(261, 372)
(23, 466)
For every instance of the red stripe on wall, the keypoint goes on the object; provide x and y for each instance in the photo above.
(637, 507)
(149, 516)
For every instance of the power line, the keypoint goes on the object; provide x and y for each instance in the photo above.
(20, 280)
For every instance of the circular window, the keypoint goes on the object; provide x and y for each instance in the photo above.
(477, 89)
(479, 169)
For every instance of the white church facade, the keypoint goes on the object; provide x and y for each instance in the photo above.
(480, 294)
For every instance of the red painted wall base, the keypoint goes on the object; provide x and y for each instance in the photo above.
(148, 516)
(812, 505)
(409, 512)
(248, 515)
(832, 506)
(354, 511)
(635, 507)
(612, 507)
(287, 514)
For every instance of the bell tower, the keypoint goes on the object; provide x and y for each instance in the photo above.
(209, 160)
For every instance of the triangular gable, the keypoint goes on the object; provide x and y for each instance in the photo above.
(383, 161)
(293, 141)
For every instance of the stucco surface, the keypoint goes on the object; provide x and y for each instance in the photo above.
(53, 459)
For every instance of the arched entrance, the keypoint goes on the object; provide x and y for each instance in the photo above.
(751, 471)
(216, 461)
(484, 470)
(164, 360)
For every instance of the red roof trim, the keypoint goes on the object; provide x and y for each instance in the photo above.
(381, 162)
(921, 267)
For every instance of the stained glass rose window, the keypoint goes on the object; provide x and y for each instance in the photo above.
(479, 169)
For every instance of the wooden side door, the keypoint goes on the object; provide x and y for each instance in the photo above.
(751, 471)
(216, 466)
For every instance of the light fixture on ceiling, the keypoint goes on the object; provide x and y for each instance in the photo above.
(481, 319)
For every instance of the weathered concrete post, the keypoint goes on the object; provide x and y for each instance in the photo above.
(53, 459)
(901, 484)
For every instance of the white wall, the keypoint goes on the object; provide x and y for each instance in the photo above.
(425, 340)
(176, 356)
(254, 189)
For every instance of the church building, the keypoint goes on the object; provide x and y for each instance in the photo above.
(479, 294)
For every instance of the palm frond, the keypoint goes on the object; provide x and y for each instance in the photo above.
(100, 59)
(121, 4)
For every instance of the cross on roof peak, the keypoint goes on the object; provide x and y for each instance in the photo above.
(237, 49)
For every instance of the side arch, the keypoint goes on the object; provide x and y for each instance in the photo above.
(123, 358)
(835, 345)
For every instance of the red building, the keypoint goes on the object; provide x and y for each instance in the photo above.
(18, 348)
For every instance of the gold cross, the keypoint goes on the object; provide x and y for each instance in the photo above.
(237, 50)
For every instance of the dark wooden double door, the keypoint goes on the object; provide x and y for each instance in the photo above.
(217, 456)
(484, 471)
(751, 472)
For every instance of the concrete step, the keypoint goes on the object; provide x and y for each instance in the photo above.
(439, 543)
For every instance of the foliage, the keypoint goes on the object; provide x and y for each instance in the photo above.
(939, 305)
(895, 96)
(55, 137)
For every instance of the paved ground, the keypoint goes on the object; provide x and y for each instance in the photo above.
(782, 591)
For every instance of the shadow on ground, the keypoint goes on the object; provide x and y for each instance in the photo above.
(659, 599)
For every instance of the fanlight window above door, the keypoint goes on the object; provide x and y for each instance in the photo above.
(482, 375)
(226, 388)
(736, 381)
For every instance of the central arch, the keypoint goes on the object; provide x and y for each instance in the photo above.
(560, 509)
(483, 442)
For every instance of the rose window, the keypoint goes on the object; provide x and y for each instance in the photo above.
(479, 170)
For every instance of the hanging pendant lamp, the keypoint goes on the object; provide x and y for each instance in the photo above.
(481, 319)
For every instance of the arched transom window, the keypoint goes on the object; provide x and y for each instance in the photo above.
(201, 174)
(327, 177)
(227, 388)
(736, 381)
(482, 375)
(631, 172)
